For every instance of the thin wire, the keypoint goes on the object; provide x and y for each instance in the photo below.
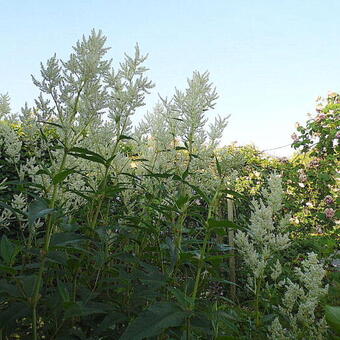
(279, 147)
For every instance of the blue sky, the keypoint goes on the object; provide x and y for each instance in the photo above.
(268, 59)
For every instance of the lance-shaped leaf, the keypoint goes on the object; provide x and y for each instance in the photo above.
(153, 321)
(87, 154)
(333, 317)
(220, 226)
(8, 250)
(37, 209)
(122, 137)
(60, 176)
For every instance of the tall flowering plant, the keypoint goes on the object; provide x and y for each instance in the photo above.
(265, 237)
(261, 247)
(114, 232)
(300, 301)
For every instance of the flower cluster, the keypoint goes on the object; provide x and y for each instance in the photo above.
(5, 217)
(19, 202)
(264, 238)
(299, 303)
(10, 142)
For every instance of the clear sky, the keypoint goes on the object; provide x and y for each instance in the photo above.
(269, 59)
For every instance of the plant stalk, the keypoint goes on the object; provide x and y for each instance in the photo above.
(211, 210)
(48, 235)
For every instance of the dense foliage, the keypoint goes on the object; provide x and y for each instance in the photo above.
(318, 164)
(154, 232)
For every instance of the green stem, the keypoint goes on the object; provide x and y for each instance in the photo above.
(212, 209)
(188, 329)
(199, 269)
(103, 188)
(258, 286)
(119, 133)
(48, 235)
(34, 320)
(180, 227)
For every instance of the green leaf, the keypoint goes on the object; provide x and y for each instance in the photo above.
(9, 289)
(109, 160)
(153, 321)
(218, 167)
(185, 174)
(59, 177)
(8, 250)
(110, 321)
(77, 192)
(333, 317)
(58, 257)
(78, 309)
(198, 191)
(50, 123)
(182, 200)
(10, 317)
(43, 172)
(182, 298)
(63, 291)
(217, 258)
(7, 269)
(159, 175)
(63, 239)
(217, 224)
(139, 160)
(121, 137)
(87, 154)
(37, 209)
(193, 155)
(28, 283)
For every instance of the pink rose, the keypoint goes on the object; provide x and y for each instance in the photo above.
(294, 137)
(332, 94)
(320, 117)
(329, 212)
(329, 199)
